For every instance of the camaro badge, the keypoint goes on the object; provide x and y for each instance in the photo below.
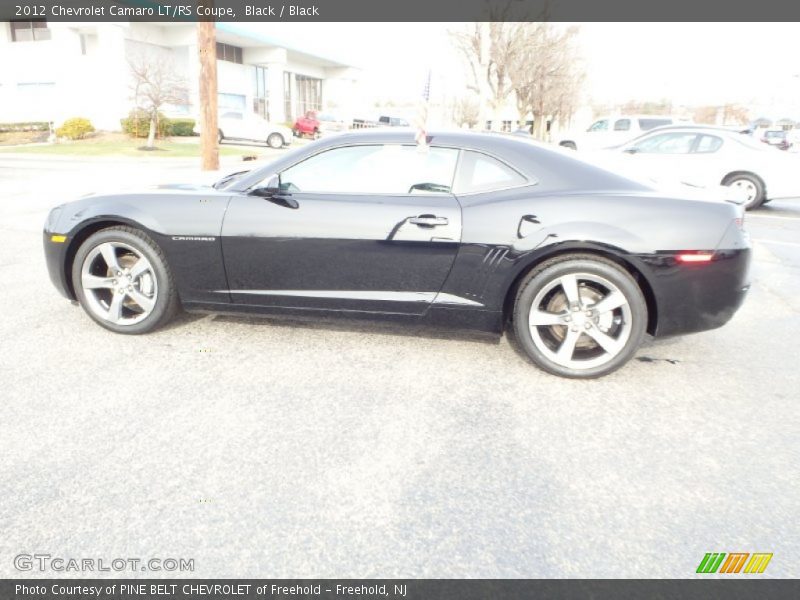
(192, 238)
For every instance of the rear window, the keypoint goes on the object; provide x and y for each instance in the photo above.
(708, 144)
(481, 173)
(648, 124)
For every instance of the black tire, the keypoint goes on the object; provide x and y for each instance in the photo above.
(544, 275)
(220, 137)
(569, 145)
(751, 179)
(275, 140)
(166, 303)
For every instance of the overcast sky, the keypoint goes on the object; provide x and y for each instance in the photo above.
(688, 63)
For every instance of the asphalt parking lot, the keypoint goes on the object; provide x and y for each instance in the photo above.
(263, 448)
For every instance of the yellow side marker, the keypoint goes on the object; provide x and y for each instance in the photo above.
(58, 239)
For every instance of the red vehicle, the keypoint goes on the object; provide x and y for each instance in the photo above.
(307, 125)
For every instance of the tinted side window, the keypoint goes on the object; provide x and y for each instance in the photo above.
(667, 143)
(622, 125)
(648, 124)
(481, 173)
(599, 126)
(378, 169)
(708, 144)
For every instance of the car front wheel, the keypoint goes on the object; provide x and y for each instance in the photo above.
(275, 140)
(579, 316)
(122, 281)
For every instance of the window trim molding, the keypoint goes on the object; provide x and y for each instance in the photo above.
(382, 194)
(528, 181)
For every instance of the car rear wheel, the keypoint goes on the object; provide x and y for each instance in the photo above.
(220, 137)
(122, 281)
(569, 145)
(275, 140)
(579, 316)
(749, 186)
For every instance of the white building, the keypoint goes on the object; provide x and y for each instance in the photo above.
(54, 71)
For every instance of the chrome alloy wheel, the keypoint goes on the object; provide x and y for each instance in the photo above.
(119, 283)
(580, 320)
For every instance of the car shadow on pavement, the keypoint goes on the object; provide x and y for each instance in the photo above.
(359, 325)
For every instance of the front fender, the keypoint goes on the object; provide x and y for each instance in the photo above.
(186, 226)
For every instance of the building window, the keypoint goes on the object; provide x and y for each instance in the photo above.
(29, 31)
(261, 95)
(309, 94)
(287, 96)
(229, 53)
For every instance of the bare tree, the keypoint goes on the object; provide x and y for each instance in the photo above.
(489, 49)
(728, 114)
(156, 84)
(546, 75)
(535, 62)
(467, 111)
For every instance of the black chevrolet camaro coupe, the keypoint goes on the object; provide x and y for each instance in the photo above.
(476, 231)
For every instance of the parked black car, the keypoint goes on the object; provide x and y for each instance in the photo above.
(478, 231)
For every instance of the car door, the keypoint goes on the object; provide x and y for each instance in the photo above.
(233, 126)
(663, 156)
(704, 165)
(596, 136)
(370, 227)
(621, 131)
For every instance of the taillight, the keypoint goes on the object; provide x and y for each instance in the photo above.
(739, 223)
(694, 257)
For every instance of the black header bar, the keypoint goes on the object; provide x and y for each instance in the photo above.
(399, 10)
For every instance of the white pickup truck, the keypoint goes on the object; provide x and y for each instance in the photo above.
(610, 131)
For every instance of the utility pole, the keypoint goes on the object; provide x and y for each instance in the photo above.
(209, 129)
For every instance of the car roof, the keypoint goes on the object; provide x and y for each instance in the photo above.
(401, 135)
(636, 116)
(551, 166)
(710, 129)
(694, 126)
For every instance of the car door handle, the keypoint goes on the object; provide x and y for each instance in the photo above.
(428, 220)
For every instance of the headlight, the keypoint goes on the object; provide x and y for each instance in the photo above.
(52, 218)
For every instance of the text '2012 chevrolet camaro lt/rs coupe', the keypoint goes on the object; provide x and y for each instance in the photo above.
(476, 231)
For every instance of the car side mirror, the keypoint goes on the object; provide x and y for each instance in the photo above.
(272, 188)
(273, 192)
